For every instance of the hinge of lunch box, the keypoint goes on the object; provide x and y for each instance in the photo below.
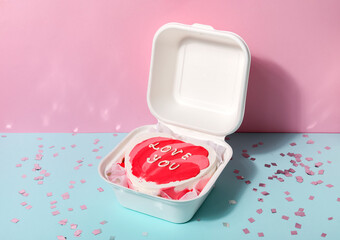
(165, 127)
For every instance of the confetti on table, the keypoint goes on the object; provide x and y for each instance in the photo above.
(259, 211)
(61, 238)
(83, 207)
(285, 217)
(251, 220)
(74, 226)
(77, 233)
(100, 189)
(298, 225)
(323, 235)
(65, 196)
(245, 230)
(63, 222)
(103, 222)
(289, 199)
(260, 234)
(97, 231)
(311, 197)
(292, 144)
(225, 224)
(310, 141)
(15, 220)
(293, 232)
(83, 181)
(55, 213)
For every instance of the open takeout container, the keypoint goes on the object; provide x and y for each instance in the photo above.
(197, 89)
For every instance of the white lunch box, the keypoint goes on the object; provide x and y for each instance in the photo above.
(197, 89)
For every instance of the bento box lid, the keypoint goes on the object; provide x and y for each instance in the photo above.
(198, 78)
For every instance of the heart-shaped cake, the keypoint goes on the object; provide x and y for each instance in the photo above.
(161, 165)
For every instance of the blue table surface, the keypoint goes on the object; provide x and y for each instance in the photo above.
(218, 218)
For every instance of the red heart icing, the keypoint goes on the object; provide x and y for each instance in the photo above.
(186, 160)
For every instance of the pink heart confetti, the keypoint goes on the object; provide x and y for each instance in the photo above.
(83, 207)
(259, 211)
(245, 230)
(97, 231)
(55, 213)
(61, 238)
(323, 235)
(74, 226)
(289, 199)
(319, 164)
(285, 217)
(63, 222)
(77, 233)
(260, 234)
(298, 225)
(100, 189)
(65, 196)
(293, 232)
(251, 220)
(15, 220)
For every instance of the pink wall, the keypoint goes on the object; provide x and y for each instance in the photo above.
(83, 64)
